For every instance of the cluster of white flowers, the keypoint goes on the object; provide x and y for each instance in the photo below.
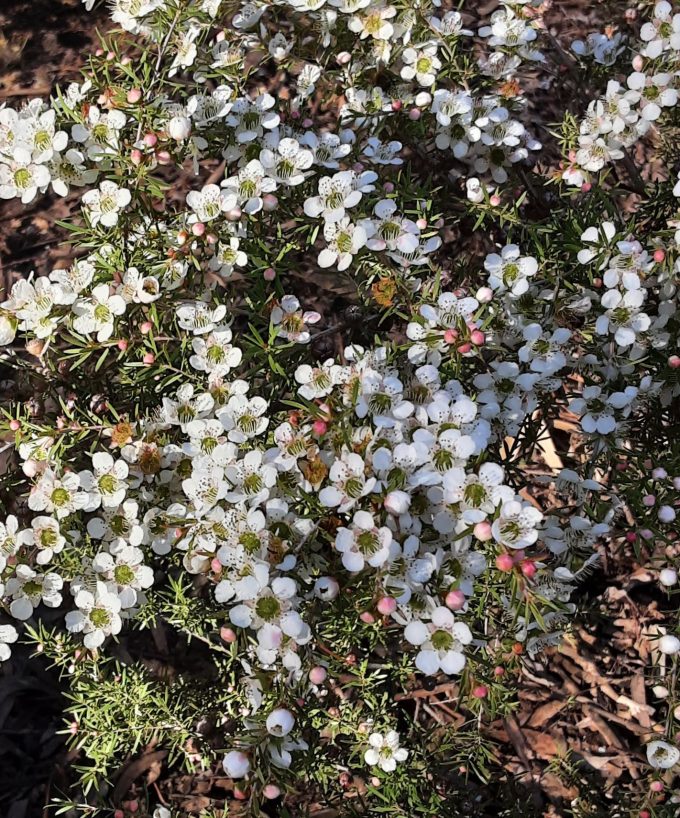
(282, 476)
(630, 107)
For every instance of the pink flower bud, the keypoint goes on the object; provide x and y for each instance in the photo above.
(480, 692)
(646, 534)
(421, 224)
(317, 675)
(484, 295)
(674, 362)
(455, 600)
(387, 605)
(133, 806)
(586, 187)
(529, 569)
(631, 536)
(648, 500)
(482, 531)
(388, 187)
(134, 95)
(239, 794)
(504, 562)
(307, 123)
(271, 791)
(269, 274)
(451, 336)
(149, 359)
(397, 105)
(495, 199)
(145, 327)
(319, 427)
(656, 786)
(198, 229)
(14, 425)
(498, 670)
(477, 337)
(269, 202)
(638, 63)
(215, 565)
(136, 156)
(163, 157)
(228, 635)
(234, 214)
(110, 56)
(464, 348)
(367, 618)
(659, 255)
(150, 140)
(118, 813)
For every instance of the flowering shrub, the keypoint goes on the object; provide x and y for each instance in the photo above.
(338, 502)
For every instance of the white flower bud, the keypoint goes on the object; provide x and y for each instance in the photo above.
(666, 514)
(669, 644)
(668, 577)
(397, 502)
(236, 764)
(179, 128)
(326, 588)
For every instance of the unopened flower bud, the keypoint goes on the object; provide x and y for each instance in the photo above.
(179, 128)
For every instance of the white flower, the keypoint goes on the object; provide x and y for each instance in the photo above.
(46, 536)
(251, 117)
(28, 589)
(318, 381)
(509, 270)
(8, 635)
(60, 496)
(199, 317)
(344, 242)
(98, 313)
(97, 617)
(123, 568)
(214, 352)
(211, 201)
(516, 525)
(662, 755)
(250, 184)
(286, 161)
(244, 418)
(348, 481)
(384, 751)
(336, 193)
(374, 22)
(104, 205)
(291, 322)
(105, 486)
(421, 64)
(441, 642)
(363, 543)
(21, 177)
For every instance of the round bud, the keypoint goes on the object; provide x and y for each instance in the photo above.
(136, 157)
(529, 569)
(15, 425)
(388, 187)
(638, 63)
(495, 199)
(674, 361)
(659, 255)
(271, 791)
(326, 588)
(648, 500)
(234, 214)
(269, 202)
(319, 428)
(669, 644)
(145, 327)
(480, 692)
(149, 359)
(477, 337)
(269, 274)
(228, 635)
(421, 224)
(656, 786)
(387, 605)
(134, 95)
(455, 600)
(280, 722)
(397, 502)
(482, 531)
(317, 675)
(179, 128)
(666, 514)
(659, 474)
(498, 671)
(504, 562)
(668, 577)
(367, 617)
(150, 140)
(163, 157)
(414, 114)
(484, 295)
